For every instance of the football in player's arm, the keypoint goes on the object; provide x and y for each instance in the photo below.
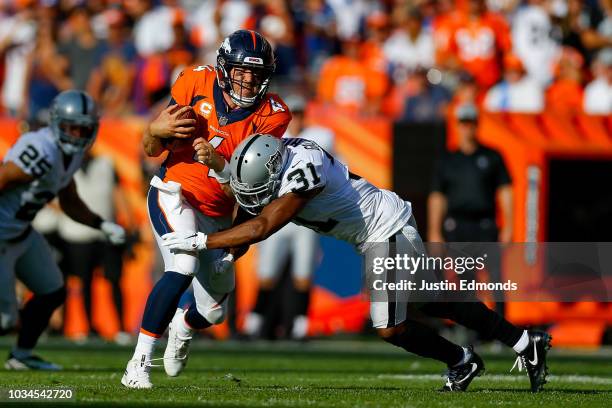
(295, 180)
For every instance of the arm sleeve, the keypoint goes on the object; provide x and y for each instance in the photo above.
(31, 155)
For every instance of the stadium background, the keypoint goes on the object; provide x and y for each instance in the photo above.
(379, 132)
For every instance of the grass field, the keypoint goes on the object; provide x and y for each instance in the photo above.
(338, 373)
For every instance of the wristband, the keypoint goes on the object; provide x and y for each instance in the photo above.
(222, 176)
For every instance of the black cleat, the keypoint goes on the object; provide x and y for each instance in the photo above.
(533, 359)
(459, 378)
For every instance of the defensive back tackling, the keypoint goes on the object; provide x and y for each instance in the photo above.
(295, 180)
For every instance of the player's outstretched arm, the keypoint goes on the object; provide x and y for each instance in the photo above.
(273, 217)
(76, 209)
(11, 175)
(167, 125)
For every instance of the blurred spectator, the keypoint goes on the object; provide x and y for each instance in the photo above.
(372, 52)
(346, 82)
(17, 35)
(598, 93)
(447, 18)
(112, 79)
(533, 42)
(479, 42)
(429, 100)
(83, 50)
(350, 16)
(46, 74)
(213, 20)
(410, 46)
(517, 92)
(153, 28)
(182, 52)
(579, 28)
(565, 94)
(86, 249)
(273, 19)
(319, 26)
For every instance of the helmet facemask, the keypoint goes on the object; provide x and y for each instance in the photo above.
(231, 79)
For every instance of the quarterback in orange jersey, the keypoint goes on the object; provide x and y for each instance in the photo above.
(230, 102)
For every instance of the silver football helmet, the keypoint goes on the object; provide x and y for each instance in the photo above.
(256, 169)
(74, 121)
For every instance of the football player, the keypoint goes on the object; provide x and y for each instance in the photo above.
(39, 167)
(294, 180)
(232, 102)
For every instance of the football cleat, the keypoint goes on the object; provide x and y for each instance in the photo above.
(533, 359)
(31, 362)
(458, 378)
(177, 348)
(138, 374)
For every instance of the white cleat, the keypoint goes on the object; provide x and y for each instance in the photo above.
(177, 349)
(137, 374)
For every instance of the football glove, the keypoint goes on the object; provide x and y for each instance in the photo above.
(184, 241)
(113, 232)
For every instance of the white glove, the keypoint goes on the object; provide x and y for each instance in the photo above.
(114, 232)
(185, 241)
(222, 265)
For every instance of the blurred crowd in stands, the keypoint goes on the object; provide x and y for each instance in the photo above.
(407, 59)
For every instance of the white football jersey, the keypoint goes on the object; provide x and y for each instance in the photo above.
(348, 207)
(38, 155)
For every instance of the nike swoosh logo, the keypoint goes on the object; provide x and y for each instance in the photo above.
(299, 161)
(535, 353)
(474, 368)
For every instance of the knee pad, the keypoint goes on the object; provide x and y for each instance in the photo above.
(215, 315)
(186, 264)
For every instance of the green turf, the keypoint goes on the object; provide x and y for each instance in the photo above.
(320, 373)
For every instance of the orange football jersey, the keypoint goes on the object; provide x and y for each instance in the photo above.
(479, 44)
(224, 129)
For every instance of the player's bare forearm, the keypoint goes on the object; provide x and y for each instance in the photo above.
(273, 217)
(240, 216)
(76, 209)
